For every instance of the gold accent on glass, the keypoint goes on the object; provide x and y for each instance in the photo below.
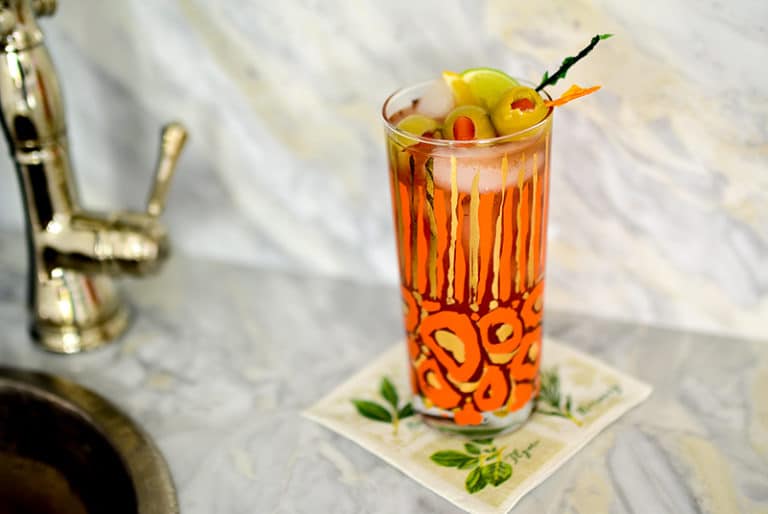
(454, 230)
(533, 352)
(398, 206)
(519, 242)
(474, 238)
(501, 358)
(452, 343)
(544, 211)
(432, 380)
(465, 387)
(414, 226)
(532, 230)
(504, 331)
(430, 207)
(73, 252)
(499, 227)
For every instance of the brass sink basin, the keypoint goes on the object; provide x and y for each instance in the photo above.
(67, 450)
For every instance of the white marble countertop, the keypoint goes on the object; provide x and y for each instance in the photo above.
(222, 359)
(659, 190)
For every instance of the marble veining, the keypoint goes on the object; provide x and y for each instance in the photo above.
(659, 192)
(222, 360)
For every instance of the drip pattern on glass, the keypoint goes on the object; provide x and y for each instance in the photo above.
(472, 260)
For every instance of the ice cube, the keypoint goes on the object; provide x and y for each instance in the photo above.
(487, 162)
(489, 171)
(437, 101)
(466, 169)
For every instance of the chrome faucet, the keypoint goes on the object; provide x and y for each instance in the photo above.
(73, 253)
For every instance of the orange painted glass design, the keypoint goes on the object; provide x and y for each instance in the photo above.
(470, 222)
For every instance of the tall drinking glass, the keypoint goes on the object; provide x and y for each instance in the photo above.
(470, 221)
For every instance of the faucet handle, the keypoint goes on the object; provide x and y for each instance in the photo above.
(173, 138)
(44, 7)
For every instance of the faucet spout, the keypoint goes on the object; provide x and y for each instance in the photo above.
(73, 253)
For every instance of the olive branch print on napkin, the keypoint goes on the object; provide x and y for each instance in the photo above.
(551, 401)
(487, 464)
(391, 413)
(579, 397)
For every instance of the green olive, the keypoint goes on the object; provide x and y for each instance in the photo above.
(418, 125)
(468, 122)
(519, 108)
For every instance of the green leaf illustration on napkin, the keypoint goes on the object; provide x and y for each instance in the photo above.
(471, 448)
(388, 391)
(487, 464)
(389, 413)
(475, 481)
(453, 459)
(497, 473)
(550, 401)
(406, 411)
(372, 410)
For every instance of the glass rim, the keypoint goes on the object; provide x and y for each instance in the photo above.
(461, 143)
